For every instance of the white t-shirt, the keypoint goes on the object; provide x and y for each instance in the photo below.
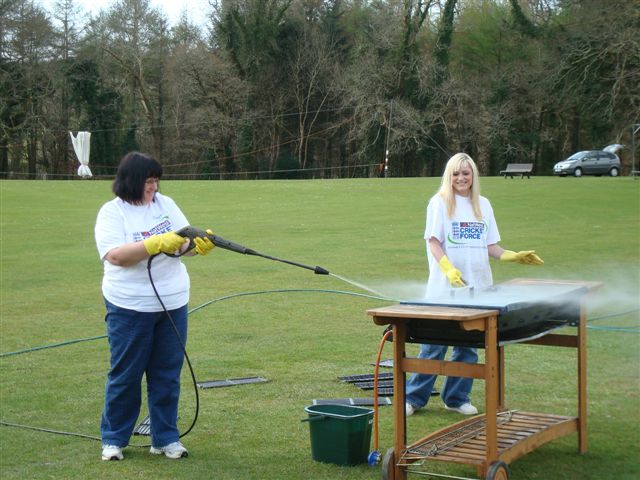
(120, 222)
(464, 240)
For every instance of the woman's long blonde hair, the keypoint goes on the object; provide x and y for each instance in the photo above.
(454, 164)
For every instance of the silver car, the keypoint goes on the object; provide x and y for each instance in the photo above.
(591, 162)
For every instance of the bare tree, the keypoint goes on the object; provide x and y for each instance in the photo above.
(137, 42)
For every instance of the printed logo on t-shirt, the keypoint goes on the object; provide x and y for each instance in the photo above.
(163, 227)
(466, 232)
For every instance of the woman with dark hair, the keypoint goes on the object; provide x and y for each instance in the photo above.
(139, 223)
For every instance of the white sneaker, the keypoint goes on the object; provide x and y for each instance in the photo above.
(111, 452)
(464, 409)
(173, 450)
(409, 409)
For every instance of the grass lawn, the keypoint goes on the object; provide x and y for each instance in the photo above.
(301, 331)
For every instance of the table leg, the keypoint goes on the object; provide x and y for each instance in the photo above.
(582, 381)
(399, 415)
(492, 385)
(501, 374)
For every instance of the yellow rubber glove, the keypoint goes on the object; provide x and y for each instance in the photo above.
(168, 242)
(527, 257)
(453, 274)
(203, 245)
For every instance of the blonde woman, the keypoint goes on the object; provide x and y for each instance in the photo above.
(461, 234)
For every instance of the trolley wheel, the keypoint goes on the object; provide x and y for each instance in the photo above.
(498, 471)
(388, 465)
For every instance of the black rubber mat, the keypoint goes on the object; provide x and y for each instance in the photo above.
(369, 385)
(230, 382)
(366, 377)
(365, 381)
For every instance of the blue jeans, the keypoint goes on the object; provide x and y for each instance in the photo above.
(456, 389)
(143, 343)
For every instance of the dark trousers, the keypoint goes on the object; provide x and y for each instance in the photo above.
(143, 343)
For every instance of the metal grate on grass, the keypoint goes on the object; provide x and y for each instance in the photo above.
(144, 428)
(230, 382)
(352, 401)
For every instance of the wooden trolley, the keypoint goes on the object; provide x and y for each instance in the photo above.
(488, 442)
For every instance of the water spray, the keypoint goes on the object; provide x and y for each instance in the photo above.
(358, 285)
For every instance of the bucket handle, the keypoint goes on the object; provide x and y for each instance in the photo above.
(315, 418)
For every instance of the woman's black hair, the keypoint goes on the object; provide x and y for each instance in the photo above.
(134, 170)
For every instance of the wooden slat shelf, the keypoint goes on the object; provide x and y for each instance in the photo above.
(522, 432)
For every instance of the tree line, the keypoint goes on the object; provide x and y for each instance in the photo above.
(317, 88)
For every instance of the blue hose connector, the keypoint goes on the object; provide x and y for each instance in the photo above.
(374, 458)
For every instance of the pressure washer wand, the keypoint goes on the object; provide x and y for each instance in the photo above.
(193, 232)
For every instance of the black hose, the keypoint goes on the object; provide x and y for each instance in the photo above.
(182, 345)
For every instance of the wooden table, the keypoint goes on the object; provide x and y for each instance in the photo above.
(501, 442)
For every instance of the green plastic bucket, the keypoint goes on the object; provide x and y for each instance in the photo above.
(340, 434)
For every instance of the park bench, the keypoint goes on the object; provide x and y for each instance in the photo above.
(521, 169)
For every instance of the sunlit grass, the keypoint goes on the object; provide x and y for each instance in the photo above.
(366, 230)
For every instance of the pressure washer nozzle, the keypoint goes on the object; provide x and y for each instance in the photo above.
(320, 271)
